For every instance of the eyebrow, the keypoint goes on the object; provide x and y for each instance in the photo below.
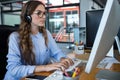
(40, 10)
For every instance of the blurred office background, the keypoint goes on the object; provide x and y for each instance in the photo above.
(66, 20)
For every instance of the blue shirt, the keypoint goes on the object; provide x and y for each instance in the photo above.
(16, 67)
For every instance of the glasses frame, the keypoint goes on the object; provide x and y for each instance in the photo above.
(40, 13)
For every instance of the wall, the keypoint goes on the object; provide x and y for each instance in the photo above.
(84, 6)
(11, 19)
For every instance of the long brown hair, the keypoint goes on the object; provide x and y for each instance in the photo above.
(24, 31)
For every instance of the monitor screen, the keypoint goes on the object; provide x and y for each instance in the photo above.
(93, 18)
(108, 29)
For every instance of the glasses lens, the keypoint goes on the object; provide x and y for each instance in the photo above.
(40, 13)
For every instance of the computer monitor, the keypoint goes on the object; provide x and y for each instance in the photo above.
(108, 29)
(93, 18)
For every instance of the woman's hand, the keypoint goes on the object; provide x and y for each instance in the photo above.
(50, 67)
(67, 62)
(55, 66)
(62, 65)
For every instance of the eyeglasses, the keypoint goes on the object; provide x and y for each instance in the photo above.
(40, 13)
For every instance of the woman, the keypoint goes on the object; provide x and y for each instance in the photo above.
(32, 47)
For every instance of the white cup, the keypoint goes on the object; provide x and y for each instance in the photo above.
(79, 49)
(70, 77)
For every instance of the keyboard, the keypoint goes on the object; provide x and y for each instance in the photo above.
(77, 62)
(58, 75)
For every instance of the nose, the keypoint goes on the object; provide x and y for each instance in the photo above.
(44, 16)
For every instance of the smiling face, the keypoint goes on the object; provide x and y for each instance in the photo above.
(38, 16)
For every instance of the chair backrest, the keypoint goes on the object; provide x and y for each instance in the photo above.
(4, 34)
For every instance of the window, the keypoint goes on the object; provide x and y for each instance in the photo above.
(61, 22)
(62, 16)
(71, 1)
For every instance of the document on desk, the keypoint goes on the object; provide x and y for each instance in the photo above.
(107, 62)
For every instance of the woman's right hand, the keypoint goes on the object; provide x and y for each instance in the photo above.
(50, 67)
(55, 66)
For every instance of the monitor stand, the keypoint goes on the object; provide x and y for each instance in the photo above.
(117, 52)
(110, 53)
(117, 42)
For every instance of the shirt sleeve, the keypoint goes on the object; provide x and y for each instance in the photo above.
(15, 65)
(56, 52)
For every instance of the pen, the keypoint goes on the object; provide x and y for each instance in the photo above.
(66, 74)
(74, 74)
(77, 70)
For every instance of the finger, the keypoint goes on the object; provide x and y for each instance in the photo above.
(69, 61)
(64, 66)
(61, 66)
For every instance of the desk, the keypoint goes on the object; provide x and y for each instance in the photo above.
(85, 76)
(91, 76)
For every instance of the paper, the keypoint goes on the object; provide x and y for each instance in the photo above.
(107, 62)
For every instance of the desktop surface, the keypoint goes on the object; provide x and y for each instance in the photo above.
(108, 75)
(85, 76)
